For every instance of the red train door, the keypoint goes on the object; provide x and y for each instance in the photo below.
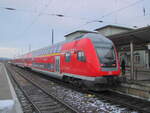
(57, 64)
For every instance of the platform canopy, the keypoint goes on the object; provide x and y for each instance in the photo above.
(139, 36)
(133, 40)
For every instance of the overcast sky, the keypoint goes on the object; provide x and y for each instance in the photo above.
(32, 20)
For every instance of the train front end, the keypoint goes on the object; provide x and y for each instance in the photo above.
(109, 64)
(108, 68)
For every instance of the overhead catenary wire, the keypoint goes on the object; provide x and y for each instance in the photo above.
(86, 20)
(101, 22)
(42, 13)
(110, 13)
(103, 16)
(35, 19)
(119, 10)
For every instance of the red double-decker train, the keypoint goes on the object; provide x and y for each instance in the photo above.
(90, 59)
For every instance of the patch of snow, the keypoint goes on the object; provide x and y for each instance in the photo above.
(6, 106)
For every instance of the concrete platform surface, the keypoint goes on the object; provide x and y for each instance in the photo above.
(136, 88)
(8, 99)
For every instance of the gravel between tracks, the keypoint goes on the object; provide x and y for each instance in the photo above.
(85, 103)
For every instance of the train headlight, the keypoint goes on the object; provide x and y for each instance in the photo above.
(102, 65)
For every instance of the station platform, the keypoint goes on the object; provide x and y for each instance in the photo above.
(138, 88)
(8, 100)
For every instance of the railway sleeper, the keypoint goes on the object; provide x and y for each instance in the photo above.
(47, 102)
(50, 106)
(60, 110)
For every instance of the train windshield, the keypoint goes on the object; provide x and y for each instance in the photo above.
(106, 55)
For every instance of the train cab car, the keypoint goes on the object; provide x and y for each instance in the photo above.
(91, 59)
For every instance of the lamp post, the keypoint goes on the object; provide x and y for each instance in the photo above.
(52, 36)
(58, 15)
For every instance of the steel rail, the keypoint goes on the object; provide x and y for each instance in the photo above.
(46, 92)
(25, 94)
(123, 103)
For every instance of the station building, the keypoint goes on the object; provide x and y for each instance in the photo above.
(122, 36)
(77, 34)
(112, 30)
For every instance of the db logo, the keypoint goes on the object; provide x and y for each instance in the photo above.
(109, 72)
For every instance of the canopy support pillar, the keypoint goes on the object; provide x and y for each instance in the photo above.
(131, 61)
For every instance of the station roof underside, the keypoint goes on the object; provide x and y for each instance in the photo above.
(139, 36)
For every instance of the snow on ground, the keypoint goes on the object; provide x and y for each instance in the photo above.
(86, 103)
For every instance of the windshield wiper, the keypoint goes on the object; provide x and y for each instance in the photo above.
(108, 57)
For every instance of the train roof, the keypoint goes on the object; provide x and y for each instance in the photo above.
(95, 37)
(82, 31)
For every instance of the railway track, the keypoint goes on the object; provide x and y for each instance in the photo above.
(113, 98)
(129, 102)
(40, 99)
(25, 103)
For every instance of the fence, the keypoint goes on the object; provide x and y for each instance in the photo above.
(139, 73)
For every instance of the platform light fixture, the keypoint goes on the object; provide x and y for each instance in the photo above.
(9, 8)
(58, 15)
(100, 21)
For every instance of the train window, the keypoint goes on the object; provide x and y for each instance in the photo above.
(67, 57)
(81, 56)
(57, 49)
(107, 56)
(50, 50)
(45, 51)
